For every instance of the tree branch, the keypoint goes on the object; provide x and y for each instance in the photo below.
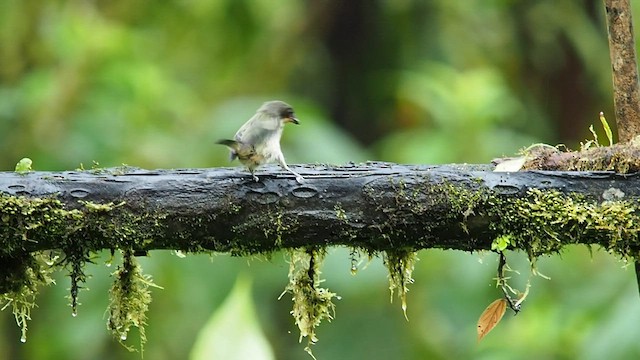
(375, 206)
(624, 68)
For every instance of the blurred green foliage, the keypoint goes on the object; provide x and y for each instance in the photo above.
(154, 84)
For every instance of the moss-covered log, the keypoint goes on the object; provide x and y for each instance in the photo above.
(374, 206)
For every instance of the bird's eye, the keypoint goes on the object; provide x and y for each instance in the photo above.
(287, 113)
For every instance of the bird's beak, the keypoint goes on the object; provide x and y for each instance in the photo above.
(292, 120)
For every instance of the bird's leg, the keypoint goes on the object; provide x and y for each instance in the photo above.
(282, 163)
(253, 175)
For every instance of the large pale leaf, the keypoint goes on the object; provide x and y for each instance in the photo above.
(233, 331)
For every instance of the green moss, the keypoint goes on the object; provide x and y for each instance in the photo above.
(129, 300)
(93, 207)
(273, 225)
(75, 263)
(340, 213)
(21, 279)
(464, 202)
(621, 157)
(356, 258)
(545, 221)
(229, 206)
(441, 203)
(24, 219)
(91, 226)
(311, 303)
(400, 264)
(79, 232)
(393, 219)
(282, 226)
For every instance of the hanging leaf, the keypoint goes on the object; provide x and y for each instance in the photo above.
(491, 316)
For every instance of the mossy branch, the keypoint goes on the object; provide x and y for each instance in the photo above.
(381, 206)
(49, 220)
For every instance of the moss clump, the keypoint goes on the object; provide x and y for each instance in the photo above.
(93, 207)
(281, 226)
(400, 264)
(464, 202)
(266, 229)
(24, 219)
(74, 260)
(399, 212)
(29, 222)
(21, 278)
(311, 303)
(129, 300)
(545, 221)
(356, 257)
(340, 213)
(623, 158)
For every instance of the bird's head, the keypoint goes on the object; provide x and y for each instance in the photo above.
(281, 110)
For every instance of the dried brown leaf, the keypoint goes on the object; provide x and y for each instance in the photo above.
(491, 316)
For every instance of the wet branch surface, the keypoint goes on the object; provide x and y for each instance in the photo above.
(377, 206)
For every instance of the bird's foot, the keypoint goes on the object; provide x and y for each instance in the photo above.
(299, 179)
(255, 178)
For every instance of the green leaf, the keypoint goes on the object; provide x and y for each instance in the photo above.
(606, 127)
(501, 242)
(233, 330)
(24, 165)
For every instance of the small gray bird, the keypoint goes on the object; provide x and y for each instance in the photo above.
(258, 140)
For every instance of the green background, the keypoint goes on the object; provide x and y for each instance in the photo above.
(155, 84)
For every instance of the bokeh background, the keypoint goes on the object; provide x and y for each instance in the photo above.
(153, 84)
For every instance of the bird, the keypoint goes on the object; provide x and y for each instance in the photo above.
(258, 140)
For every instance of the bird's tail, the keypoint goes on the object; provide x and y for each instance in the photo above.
(231, 144)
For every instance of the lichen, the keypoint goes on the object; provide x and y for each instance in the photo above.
(400, 264)
(311, 303)
(129, 300)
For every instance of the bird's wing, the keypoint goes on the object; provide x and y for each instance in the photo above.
(259, 127)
